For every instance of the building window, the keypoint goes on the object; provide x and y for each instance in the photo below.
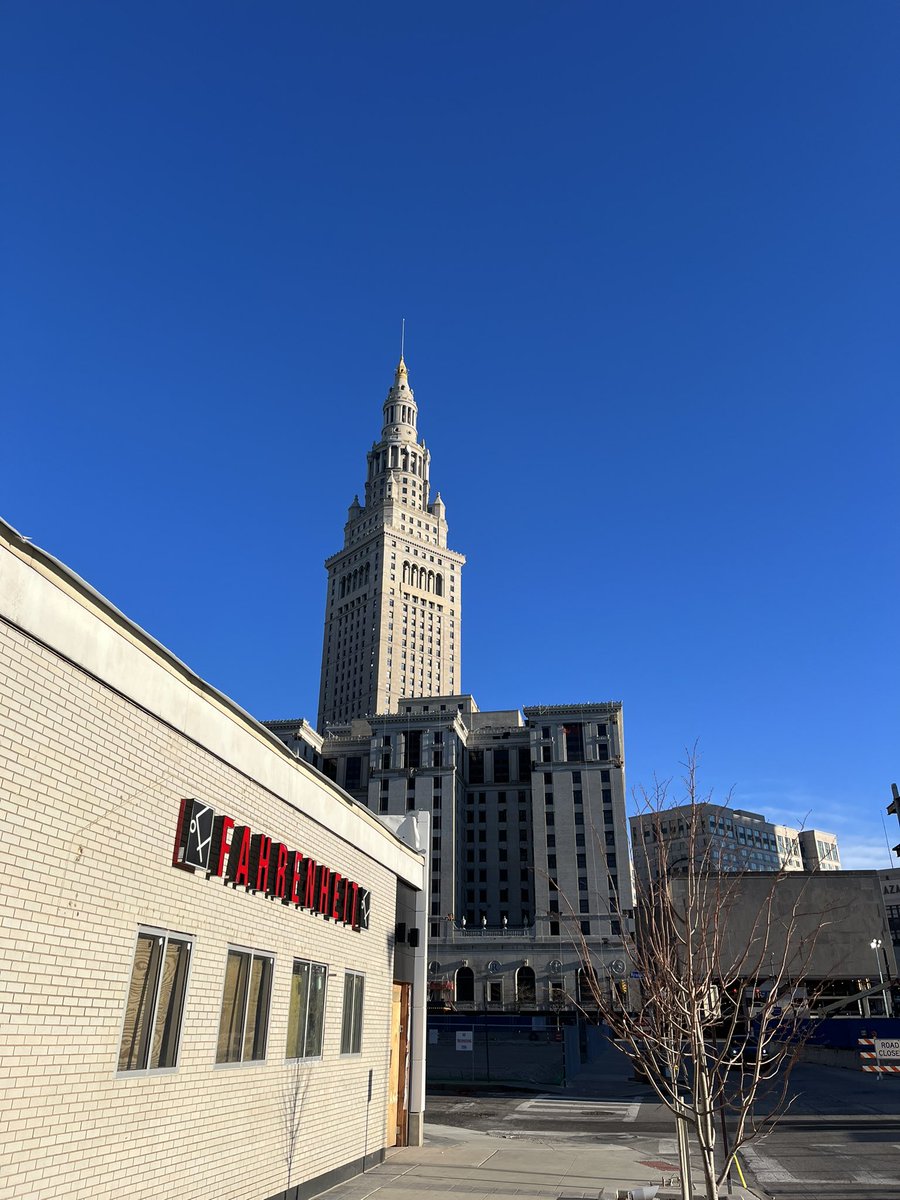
(574, 742)
(524, 763)
(155, 1002)
(306, 1018)
(244, 1023)
(354, 771)
(526, 991)
(476, 766)
(501, 765)
(465, 985)
(351, 1024)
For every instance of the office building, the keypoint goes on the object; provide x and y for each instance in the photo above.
(392, 612)
(730, 839)
(529, 850)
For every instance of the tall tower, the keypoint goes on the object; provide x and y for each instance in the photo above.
(392, 616)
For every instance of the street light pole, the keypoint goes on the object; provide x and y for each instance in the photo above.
(875, 945)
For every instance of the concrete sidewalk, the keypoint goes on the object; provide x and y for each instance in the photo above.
(461, 1162)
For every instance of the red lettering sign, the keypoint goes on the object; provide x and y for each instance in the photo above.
(309, 895)
(260, 852)
(211, 842)
(281, 861)
(322, 900)
(335, 896)
(239, 858)
(296, 875)
(225, 825)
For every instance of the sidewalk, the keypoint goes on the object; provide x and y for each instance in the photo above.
(461, 1162)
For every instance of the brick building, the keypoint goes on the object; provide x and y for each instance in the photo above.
(212, 958)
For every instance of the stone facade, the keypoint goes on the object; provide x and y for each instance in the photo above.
(102, 735)
(529, 851)
(392, 613)
(529, 845)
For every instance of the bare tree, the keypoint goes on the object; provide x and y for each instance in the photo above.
(704, 939)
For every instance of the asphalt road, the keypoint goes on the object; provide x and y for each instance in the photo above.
(839, 1141)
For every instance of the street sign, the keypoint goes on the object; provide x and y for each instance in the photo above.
(636, 975)
(464, 1039)
(888, 1048)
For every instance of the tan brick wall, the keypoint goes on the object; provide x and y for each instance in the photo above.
(89, 794)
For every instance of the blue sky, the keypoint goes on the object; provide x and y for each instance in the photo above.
(649, 261)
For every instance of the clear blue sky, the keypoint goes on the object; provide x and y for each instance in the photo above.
(648, 256)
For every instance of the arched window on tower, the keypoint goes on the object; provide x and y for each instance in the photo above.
(406, 572)
(430, 583)
(439, 584)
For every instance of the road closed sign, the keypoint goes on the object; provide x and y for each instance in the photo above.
(886, 1048)
(464, 1039)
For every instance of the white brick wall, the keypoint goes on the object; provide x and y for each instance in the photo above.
(90, 786)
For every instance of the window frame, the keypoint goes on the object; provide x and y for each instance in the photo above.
(353, 1043)
(304, 1057)
(154, 931)
(229, 1063)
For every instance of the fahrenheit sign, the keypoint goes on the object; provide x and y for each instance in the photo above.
(211, 842)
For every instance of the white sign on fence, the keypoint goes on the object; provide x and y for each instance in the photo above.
(464, 1039)
(887, 1048)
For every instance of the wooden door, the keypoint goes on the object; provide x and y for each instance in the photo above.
(398, 1075)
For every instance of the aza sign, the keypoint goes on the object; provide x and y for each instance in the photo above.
(212, 842)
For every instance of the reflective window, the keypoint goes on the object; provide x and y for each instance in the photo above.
(306, 1017)
(244, 1022)
(155, 1004)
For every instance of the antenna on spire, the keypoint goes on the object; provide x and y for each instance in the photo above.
(402, 335)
